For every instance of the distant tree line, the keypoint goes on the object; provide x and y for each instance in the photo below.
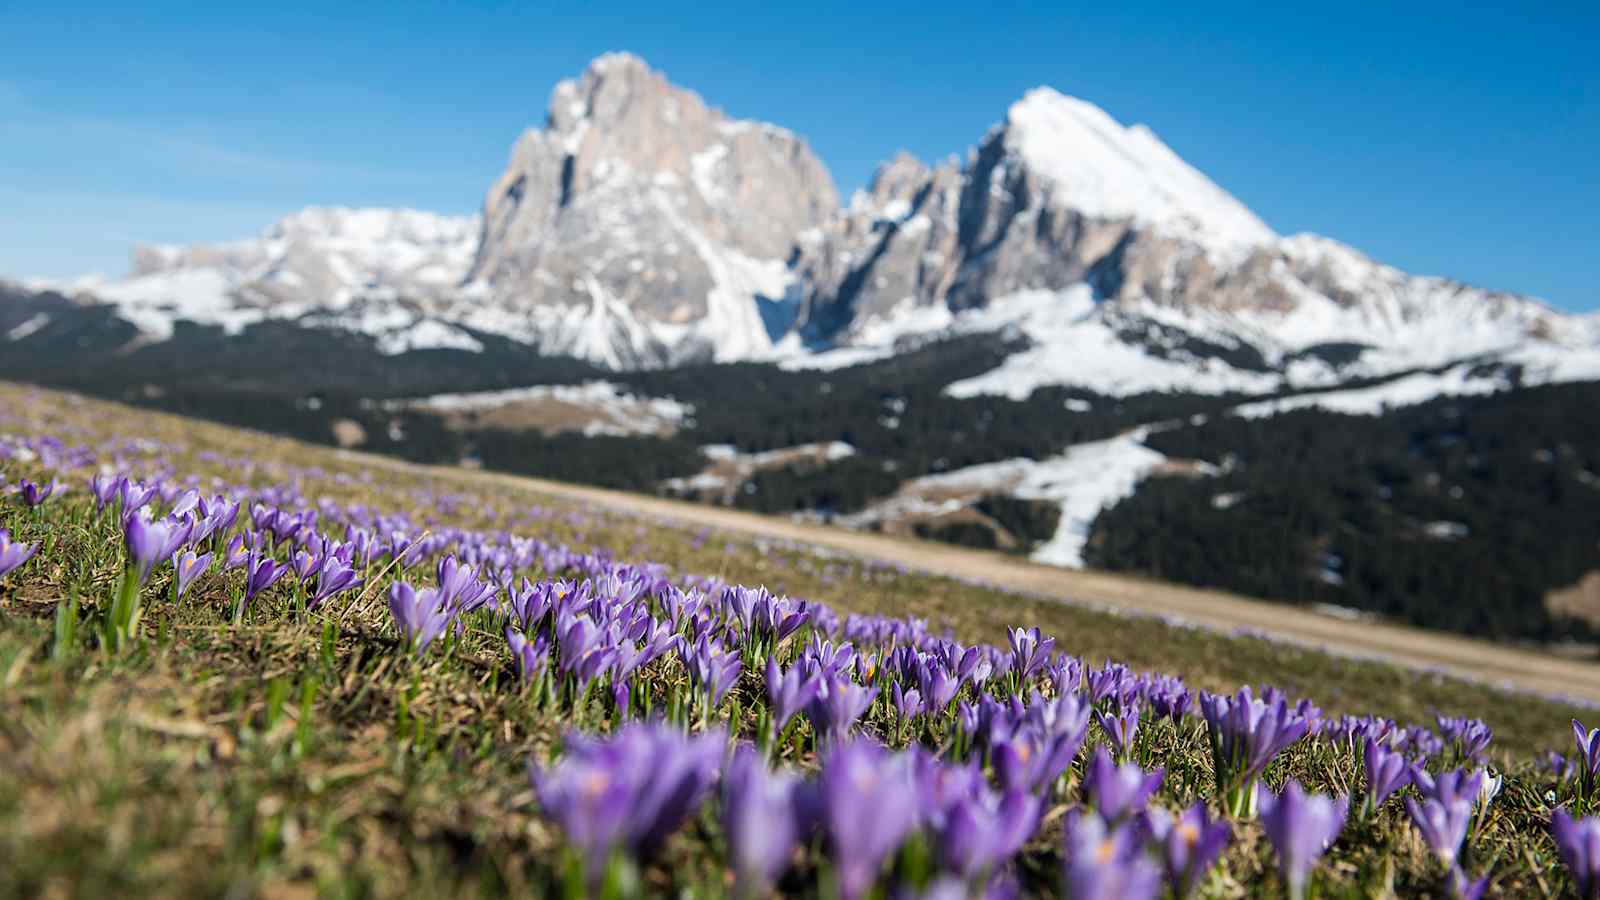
(1460, 513)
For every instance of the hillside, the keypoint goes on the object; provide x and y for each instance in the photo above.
(306, 748)
(1047, 346)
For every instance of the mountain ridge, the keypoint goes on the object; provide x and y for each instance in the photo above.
(640, 227)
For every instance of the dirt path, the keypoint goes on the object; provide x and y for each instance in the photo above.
(1530, 670)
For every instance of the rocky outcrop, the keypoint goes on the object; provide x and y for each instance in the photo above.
(657, 217)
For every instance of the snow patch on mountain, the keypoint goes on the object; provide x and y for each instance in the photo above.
(1106, 170)
(1372, 401)
(1083, 481)
(1086, 480)
(611, 408)
(364, 270)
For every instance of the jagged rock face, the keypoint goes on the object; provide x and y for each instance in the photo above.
(896, 246)
(653, 211)
(952, 237)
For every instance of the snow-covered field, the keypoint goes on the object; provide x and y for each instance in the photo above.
(594, 407)
(729, 468)
(1372, 401)
(1083, 481)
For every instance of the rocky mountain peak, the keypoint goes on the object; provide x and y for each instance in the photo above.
(641, 226)
(1103, 169)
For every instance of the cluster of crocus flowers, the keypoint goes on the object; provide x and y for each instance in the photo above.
(1104, 861)
(421, 616)
(627, 793)
(993, 734)
(1386, 771)
(1246, 735)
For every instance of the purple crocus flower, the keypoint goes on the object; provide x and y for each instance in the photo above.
(12, 553)
(261, 572)
(789, 692)
(145, 540)
(1464, 785)
(105, 489)
(531, 657)
(333, 577)
(187, 566)
(1120, 728)
(1118, 792)
(584, 653)
(34, 495)
(1246, 734)
(1030, 652)
(937, 686)
(1464, 888)
(304, 564)
(712, 668)
(775, 618)
(1189, 844)
(907, 703)
(759, 816)
(1387, 772)
(869, 804)
(1588, 756)
(1106, 863)
(1443, 824)
(981, 831)
(837, 706)
(136, 495)
(1578, 842)
(421, 615)
(1301, 827)
(1471, 737)
(236, 554)
(1030, 759)
(628, 791)
(530, 602)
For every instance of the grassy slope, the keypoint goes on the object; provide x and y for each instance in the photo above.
(298, 758)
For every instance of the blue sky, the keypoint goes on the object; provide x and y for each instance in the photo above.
(1443, 139)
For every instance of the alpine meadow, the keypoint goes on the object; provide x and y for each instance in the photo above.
(1033, 520)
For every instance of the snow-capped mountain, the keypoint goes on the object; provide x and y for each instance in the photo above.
(640, 227)
(371, 270)
(1130, 271)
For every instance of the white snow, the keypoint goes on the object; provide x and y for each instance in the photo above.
(730, 465)
(320, 260)
(155, 303)
(1086, 480)
(29, 326)
(1372, 401)
(1106, 170)
(617, 412)
(703, 168)
(398, 276)
(1083, 481)
(427, 334)
(1074, 343)
(733, 325)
